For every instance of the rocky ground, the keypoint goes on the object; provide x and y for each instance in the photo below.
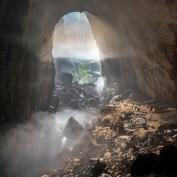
(136, 130)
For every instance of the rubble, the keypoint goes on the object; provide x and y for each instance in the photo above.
(77, 96)
(74, 104)
(127, 141)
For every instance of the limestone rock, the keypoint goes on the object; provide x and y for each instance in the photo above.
(73, 130)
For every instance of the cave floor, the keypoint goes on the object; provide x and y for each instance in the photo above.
(116, 135)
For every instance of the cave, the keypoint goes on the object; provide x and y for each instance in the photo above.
(144, 51)
(137, 42)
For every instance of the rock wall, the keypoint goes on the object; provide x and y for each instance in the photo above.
(142, 35)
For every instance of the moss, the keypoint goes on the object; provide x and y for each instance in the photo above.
(83, 71)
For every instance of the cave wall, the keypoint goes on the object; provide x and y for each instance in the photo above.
(14, 60)
(26, 78)
(142, 35)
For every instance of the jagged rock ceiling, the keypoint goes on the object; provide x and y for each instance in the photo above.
(138, 39)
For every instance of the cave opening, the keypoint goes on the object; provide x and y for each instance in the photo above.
(75, 50)
(77, 62)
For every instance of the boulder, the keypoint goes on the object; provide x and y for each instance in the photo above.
(92, 103)
(145, 164)
(73, 130)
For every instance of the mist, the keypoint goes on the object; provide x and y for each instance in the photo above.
(101, 82)
(73, 38)
(28, 149)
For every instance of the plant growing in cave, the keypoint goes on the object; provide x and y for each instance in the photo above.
(85, 72)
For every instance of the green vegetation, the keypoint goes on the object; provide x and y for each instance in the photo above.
(86, 71)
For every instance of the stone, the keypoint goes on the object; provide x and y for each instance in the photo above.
(120, 128)
(144, 164)
(116, 98)
(66, 78)
(165, 163)
(98, 168)
(92, 103)
(54, 102)
(91, 88)
(73, 130)
(74, 104)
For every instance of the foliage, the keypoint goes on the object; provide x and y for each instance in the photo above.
(83, 72)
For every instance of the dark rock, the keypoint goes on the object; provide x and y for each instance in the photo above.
(76, 83)
(70, 95)
(51, 110)
(121, 128)
(168, 155)
(54, 101)
(165, 163)
(101, 140)
(98, 168)
(144, 164)
(73, 130)
(92, 88)
(74, 104)
(66, 78)
(92, 103)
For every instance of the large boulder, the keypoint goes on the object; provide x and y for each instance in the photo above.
(145, 164)
(73, 130)
(165, 163)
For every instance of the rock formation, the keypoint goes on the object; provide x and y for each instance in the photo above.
(73, 130)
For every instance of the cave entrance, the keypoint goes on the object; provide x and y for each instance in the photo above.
(75, 50)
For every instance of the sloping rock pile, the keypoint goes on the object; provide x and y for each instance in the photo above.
(77, 96)
(119, 137)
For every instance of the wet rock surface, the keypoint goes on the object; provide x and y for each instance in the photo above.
(122, 140)
(77, 96)
(162, 164)
(73, 131)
